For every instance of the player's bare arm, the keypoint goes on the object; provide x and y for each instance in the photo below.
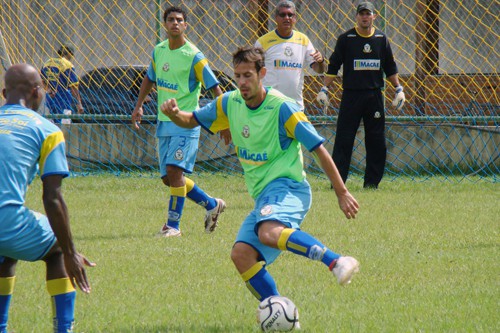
(180, 118)
(347, 202)
(146, 87)
(57, 213)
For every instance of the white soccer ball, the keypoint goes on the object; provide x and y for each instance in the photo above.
(277, 314)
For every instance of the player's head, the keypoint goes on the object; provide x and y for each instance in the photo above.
(285, 16)
(174, 9)
(23, 85)
(248, 62)
(174, 20)
(365, 14)
(66, 50)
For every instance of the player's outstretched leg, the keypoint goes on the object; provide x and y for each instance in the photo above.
(214, 206)
(300, 242)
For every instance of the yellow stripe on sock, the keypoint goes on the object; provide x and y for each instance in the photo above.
(285, 234)
(59, 286)
(252, 271)
(252, 290)
(189, 184)
(7, 285)
(178, 191)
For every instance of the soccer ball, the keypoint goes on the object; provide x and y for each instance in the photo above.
(277, 314)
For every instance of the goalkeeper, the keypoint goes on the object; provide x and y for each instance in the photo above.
(366, 55)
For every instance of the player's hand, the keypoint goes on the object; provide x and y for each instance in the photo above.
(137, 116)
(75, 268)
(317, 56)
(399, 99)
(348, 205)
(225, 135)
(322, 97)
(170, 108)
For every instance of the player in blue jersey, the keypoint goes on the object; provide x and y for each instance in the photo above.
(30, 144)
(178, 69)
(61, 82)
(267, 130)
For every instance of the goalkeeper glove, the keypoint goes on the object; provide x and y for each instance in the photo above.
(322, 97)
(399, 99)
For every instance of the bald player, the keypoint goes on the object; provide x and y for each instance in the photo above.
(30, 144)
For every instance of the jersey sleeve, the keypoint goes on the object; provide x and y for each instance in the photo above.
(336, 59)
(53, 156)
(390, 67)
(151, 73)
(295, 125)
(203, 72)
(310, 49)
(213, 116)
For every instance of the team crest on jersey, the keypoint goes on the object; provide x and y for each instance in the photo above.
(179, 155)
(288, 51)
(266, 210)
(367, 48)
(377, 115)
(166, 67)
(246, 131)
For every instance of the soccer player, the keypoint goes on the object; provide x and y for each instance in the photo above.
(366, 55)
(61, 82)
(288, 52)
(178, 69)
(268, 130)
(29, 144)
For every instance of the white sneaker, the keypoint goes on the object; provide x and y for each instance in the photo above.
(167, 231)
(212, 216)
(344, 269)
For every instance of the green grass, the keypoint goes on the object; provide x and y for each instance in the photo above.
(428, 251)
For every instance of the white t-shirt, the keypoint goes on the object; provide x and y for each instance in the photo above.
(285, 62)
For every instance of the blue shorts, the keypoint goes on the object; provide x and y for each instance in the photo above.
(177, 150)
(26, 235)
(283, 200)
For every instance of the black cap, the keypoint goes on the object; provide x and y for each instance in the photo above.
(365, 6)
(66, 49)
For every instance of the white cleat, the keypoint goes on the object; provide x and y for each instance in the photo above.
(344, 269)
(167, 231)
(212, 216)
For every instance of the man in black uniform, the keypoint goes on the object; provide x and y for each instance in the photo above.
(366, 55)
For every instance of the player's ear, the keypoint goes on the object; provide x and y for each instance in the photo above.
(262, 72)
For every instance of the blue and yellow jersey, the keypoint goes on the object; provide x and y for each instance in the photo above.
(285, 60)
(179, 74)
(266, 138)
(59, 75)
(29, 144)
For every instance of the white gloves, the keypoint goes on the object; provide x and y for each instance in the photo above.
(322, 97)
(399, 99)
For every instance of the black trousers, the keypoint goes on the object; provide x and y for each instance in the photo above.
(354, 106)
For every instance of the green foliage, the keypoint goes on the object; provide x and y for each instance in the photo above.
(428, 251)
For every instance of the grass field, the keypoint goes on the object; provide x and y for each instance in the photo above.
(428, 251)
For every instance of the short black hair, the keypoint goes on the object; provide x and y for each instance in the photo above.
(249, 54)
(174, 9)
(66, 49)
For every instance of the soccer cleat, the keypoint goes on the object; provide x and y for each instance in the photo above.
(212, 216)
(344, 269)
(167, 231)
